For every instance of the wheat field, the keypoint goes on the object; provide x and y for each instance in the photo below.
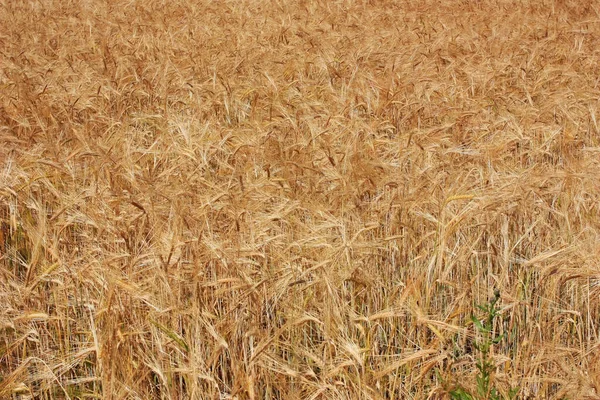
(299, 199)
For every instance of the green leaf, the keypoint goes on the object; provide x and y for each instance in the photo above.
(172, 334)
(478, 324)
(460, 394)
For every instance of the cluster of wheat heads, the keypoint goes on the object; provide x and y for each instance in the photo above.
(298, 200)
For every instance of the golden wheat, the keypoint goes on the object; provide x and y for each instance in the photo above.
(297, 200)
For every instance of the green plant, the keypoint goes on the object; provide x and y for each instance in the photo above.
(484, 344)
(488, 339)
